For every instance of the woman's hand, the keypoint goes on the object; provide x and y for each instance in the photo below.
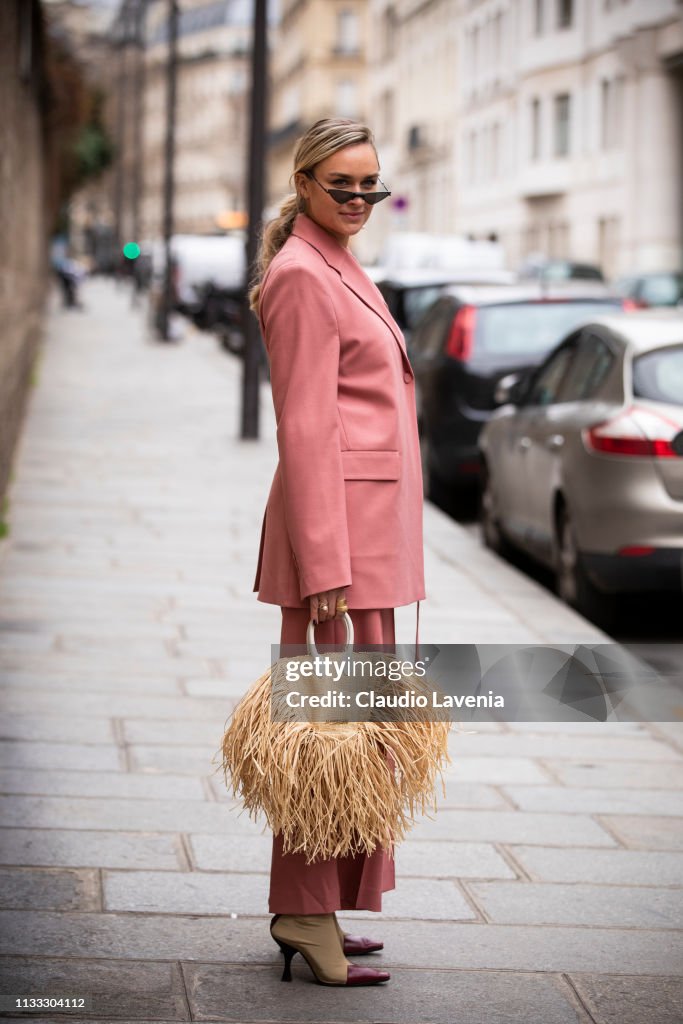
(324, 606)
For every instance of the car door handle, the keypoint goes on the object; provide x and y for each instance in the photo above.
(524, 443)
(555, 442)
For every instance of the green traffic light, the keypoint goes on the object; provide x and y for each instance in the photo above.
(131, 250)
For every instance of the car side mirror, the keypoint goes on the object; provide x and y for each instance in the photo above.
(510, 389)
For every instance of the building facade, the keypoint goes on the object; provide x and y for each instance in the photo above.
(214, 43)
(318, 69)
(412, 88)
(569, 129)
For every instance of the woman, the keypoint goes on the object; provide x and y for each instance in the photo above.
(343, 522)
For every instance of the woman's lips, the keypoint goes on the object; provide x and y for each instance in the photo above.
(353, 216)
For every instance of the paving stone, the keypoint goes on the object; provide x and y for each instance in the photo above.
(101, 784)
(79, 756)
(222, 853)
(57, 728)
(117, 988)
(513, 827)
(497, 771)
(624, 1000)
(429, 944)
(16, 699)
(589, 905)
(223, 893)
(36, 889)
(177, 732)
(81, 848)
(573, 748)
(167, 758)
(450, 860)
(618, 774)
(606, 867)
(584, 800)
(244, 995)
(650, 833)
(113, 815)
(93, 681)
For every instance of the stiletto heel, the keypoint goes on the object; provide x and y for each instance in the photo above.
(289, 952)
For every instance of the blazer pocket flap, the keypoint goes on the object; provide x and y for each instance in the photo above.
(370, 465)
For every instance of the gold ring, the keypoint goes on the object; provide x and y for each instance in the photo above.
(342, 606)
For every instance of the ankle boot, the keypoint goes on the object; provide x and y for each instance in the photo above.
(315, 936)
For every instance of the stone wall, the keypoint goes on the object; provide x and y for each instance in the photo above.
(23, 250)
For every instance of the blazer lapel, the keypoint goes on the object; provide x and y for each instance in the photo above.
(351, 273)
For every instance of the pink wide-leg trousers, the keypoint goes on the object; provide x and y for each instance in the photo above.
(341, 883)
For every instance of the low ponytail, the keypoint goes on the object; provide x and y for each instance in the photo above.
(275, 234)
(324, 138)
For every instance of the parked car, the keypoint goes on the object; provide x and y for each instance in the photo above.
(469, 339)
(554, 271)
(645, 290)
(583, 467)
(408, 293)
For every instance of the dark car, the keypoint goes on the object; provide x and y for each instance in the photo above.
(654, 289)
(408, 293)
(467, 341)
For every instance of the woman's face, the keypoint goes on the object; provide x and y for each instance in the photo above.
(354, 168)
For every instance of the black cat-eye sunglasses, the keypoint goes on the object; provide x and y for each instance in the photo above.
(341, 195)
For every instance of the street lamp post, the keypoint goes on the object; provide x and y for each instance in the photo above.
(255, 177)
(169, 157)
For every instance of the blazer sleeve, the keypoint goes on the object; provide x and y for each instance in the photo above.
(301, 335)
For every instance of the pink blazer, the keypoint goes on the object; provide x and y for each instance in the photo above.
(345, 504)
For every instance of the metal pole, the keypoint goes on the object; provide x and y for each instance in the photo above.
(138, 117)
(255, 177)
(169, 180)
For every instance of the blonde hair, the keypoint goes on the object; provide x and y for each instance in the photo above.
(322, 139)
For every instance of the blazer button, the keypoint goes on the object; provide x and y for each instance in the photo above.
(407, 378)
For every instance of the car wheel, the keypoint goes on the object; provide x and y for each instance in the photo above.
(491, 533)
(572, 582)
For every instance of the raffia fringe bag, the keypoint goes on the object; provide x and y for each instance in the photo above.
(333, 788)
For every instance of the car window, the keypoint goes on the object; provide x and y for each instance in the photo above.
(589, 368)
(658, 375)
(661, 290)
(417, 300)
(428, 339)
(545, 384)
(532, 328)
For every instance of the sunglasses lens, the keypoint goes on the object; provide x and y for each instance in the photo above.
(376, 197)
(341, 196)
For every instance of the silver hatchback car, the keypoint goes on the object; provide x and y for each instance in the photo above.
(583, 462)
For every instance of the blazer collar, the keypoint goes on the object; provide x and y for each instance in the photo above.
(341, 259)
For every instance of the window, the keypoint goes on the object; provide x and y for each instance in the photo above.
(347, 31)
(387, 118)
(346, 98)
(565, 13)
(389, 29)
(535, 128)
(588, 370)
(562, 124)
(545, 384)
(658, 375)
(538, 17)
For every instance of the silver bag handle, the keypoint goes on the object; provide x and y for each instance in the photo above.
(310, 635)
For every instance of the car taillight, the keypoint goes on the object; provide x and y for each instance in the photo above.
(461, 334)
(635, 431)
(629, 305)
